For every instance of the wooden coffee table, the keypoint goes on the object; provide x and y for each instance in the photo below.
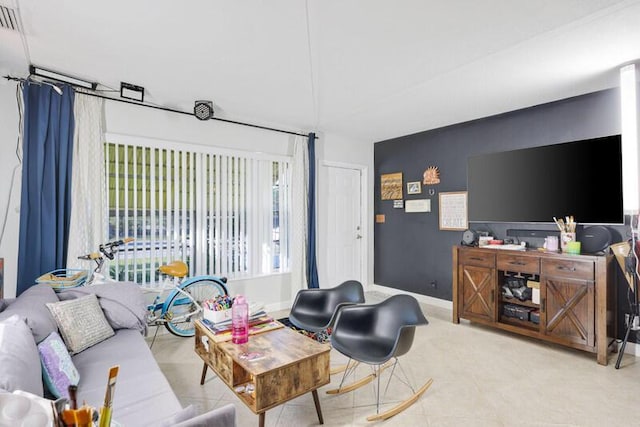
(285, 365)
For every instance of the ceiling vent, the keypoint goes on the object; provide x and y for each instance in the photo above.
(8, 19)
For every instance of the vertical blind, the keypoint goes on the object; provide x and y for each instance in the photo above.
(221, 213)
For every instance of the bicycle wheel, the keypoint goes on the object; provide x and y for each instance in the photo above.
(181, 311)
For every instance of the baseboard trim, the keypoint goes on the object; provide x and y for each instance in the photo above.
(285, 305)
(631, 348)
(282, 305)
(422, 298)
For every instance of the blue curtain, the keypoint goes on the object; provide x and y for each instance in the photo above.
(45, 206)
(312, 268)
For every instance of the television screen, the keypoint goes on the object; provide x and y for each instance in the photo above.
(579, 178)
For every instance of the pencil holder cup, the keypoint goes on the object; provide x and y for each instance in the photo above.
(565, 238)
(216, 316)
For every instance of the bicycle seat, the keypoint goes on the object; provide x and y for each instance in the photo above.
(174, 269)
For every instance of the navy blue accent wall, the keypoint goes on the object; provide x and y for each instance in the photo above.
(411, 253)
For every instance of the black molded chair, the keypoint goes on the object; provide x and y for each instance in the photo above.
(315, 309)
(375, 334)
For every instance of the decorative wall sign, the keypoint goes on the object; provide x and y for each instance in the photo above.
(431, 176)
(453, 210)
(398, 204)
(417, 205)
(380, 219)
(391, 186)
(414, 187)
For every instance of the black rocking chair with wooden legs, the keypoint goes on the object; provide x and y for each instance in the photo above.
(377, 335)
(315, 309)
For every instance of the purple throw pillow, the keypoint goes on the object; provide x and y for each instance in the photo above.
(58, 369)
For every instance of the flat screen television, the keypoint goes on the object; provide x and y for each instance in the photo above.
(580, 178)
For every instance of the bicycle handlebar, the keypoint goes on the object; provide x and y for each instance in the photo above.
(106, 249)
(91, 256)
(116, 243)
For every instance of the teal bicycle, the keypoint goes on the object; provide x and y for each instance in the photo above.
(179, 310)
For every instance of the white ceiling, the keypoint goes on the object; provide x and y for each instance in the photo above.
(366, 69)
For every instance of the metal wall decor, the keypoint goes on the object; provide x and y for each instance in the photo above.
(431, 176)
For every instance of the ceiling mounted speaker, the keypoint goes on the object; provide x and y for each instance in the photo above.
(203, 110)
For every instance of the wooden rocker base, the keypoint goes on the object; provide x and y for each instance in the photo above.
(357, 384)
(341, 368)
(402, 405)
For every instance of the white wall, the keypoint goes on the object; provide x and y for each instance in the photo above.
(359, 154)
(8, 161)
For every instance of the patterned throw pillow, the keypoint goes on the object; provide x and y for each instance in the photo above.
(58, 369)
(123, 303)
(81, 322)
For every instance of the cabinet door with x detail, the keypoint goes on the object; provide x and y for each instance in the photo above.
(567, 303)
(478, 280)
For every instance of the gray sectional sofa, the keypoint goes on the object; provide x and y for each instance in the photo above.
(143, 396)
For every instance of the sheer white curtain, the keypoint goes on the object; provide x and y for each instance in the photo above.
(88, 200)
(299, 203)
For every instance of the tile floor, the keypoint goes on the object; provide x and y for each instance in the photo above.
(482, 377)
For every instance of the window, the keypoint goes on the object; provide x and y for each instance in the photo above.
(223, 213)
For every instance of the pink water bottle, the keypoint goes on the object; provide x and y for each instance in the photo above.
(240, 320)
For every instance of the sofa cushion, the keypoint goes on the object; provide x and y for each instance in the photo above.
(182, 415)
(19, 360)
(142, 394)
(58, 369)
(224, 416)
(81, 322)
(123, 303)
(30, 306)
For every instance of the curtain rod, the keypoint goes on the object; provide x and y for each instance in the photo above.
(86, 92)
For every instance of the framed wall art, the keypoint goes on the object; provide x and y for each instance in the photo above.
(391, 186)
(418, 205)
(414, 187)
(453, 210)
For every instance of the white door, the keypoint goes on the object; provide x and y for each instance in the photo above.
(344, 225)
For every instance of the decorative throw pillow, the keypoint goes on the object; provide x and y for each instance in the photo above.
(58, 369)
(30, 306)
(81, 322)
(123, 303)
(18, 357)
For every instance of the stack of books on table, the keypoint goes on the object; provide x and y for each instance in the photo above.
(259, 321)
(222, 327)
